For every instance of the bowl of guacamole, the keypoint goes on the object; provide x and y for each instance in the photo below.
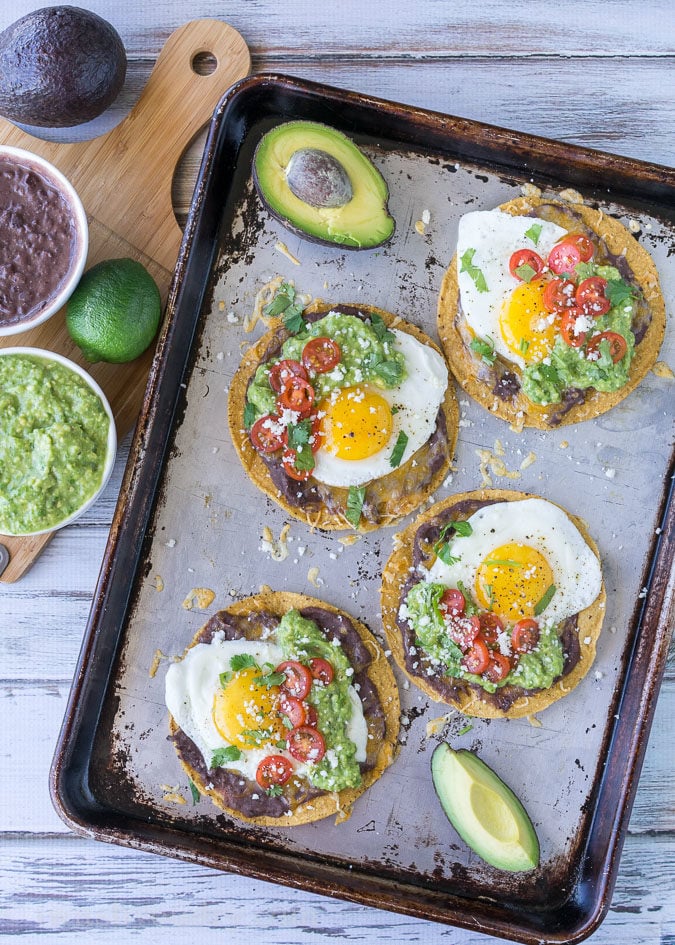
(57, 441)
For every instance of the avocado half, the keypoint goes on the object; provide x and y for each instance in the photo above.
(484, 811)
(317, 182)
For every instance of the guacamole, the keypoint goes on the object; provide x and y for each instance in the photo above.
(53, 443)
(535, 670)
(301, 639)
(366, 355)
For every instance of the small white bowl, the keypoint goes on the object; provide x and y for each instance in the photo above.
(62, 184)
(112, 433)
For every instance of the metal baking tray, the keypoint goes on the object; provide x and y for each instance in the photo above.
(189, 518)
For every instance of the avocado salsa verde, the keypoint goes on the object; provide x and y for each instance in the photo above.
(53, 443)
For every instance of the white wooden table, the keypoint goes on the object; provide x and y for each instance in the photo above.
(593, 73)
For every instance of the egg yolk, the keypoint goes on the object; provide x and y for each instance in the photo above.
(512, 580)
(245, 713)
(356, 423)
(528, 329)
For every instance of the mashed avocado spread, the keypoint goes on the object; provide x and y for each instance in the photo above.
(53, 443)
(545, 382)
(366, 355)
(301, 639)
(535, 670)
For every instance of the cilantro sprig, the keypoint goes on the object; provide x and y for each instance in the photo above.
(355, 500)
(223, 756)
(485, 347)
(284, 305)
(443, 545)
(474, 271)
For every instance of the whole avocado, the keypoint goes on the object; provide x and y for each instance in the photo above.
(59, 66)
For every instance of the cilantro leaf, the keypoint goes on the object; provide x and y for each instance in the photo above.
(584, 270)
(462, 528)
(380, 329)
(224, 679)
(269, 680)
(542, 604)
(304, 458)
(282, 745)
(222, 756)
(399, 449)
(463, 731)
(293, 320)
(391, 372)
(249, 414)
(355, 500)
(256, 736)
(194, 790)
(298, 433)
(534, 232)
(283, 297)
(242, 661)
(275, 790)
(618, 291)
(469, 608)
(474, 272)
(442, 549)
(485, 347)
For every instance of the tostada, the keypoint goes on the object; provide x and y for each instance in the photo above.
(550, 312)
(493, 602)
(343, 415)
(283, 710)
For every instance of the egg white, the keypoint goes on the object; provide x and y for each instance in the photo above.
(417, 399)
(191, 686)
(541, 525)
(495, 236)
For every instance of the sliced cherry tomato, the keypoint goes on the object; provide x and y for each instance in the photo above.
(525, 636)
(297, 395)
(321, 670)
(583, 244)
(463, 631)
(275, 769)
(453, 602)
(558, 295)
(525, 257)
(321, 354)
(491, 626)
(298, 680)
(288, 462)
(591, 298)
(293, 708)
(617, 346)
(267, 434)
(306, 744)
(312, 716)
(564, 257)
(499, 668)
(567, 328)
(281, 373)
(477, 659)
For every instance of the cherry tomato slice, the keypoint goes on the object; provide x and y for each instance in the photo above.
(567, 328)
(583, 244)
(591, 298)
(298, 680)
(525, 257)
(499, 668)
(293, 708)
(617, 346)
(525, 636)
(463, 631)
(321, 670)
(477, 659)
(312, 716)
(452, 602)
(321, 354)
(267, 434)
(297, 395)
(564, 257)
(491, 626)
(281, 373)
(274, 769)
(288, 462)
(558, 295)
(306, 744)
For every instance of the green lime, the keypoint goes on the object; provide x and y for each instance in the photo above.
(114, 313)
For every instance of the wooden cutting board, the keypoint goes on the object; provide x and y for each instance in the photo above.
(124, 181)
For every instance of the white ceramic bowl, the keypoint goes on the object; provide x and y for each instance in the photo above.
(77, 263)
(112, 433)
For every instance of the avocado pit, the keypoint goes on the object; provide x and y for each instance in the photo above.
(318, 179)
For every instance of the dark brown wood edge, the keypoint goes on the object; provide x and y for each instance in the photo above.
(69, 779)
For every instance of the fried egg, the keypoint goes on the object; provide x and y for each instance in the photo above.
(360, 425)
(216, 716)
(515, 554)
(504, 310)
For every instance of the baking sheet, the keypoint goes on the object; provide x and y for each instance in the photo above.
(207, 531)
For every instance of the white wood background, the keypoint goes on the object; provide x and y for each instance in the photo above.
(593, 73)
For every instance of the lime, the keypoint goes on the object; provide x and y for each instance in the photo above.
(113, 314)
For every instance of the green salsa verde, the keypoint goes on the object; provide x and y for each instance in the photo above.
(53, 443)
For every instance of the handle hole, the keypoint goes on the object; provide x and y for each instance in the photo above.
(204, 63)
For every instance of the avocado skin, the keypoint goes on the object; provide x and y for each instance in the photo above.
(370, 190)
(450, 771)
(59, 66)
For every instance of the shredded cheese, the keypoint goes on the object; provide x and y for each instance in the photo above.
(201, 596)
(285, 251)
(277, 550)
